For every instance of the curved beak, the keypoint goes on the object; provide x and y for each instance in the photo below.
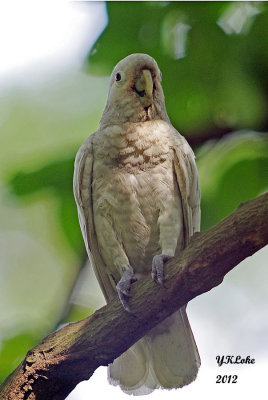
(144, 87)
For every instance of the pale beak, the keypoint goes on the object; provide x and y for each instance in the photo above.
(144, 87)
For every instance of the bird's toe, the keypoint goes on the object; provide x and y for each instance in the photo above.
(123, 287)
(158, 273)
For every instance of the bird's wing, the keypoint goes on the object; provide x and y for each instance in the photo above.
(82, 183)
(188, 182)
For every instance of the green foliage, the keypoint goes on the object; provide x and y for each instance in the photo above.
(211, 79)
(13, 351)
(56, 177)
(232, 171)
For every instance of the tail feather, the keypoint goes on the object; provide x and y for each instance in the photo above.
(132, 370)
(175, 357)
(166, 357)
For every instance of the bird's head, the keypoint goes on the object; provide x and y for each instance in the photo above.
(135, 93)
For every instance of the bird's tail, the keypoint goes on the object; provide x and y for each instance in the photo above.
(165, 357)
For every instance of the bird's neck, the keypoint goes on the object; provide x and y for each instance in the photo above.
(133, 113)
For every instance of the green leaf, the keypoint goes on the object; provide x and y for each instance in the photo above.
(55, 177)
(232, 171)
(13, 350)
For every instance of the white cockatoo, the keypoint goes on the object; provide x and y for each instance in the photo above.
(137, 191)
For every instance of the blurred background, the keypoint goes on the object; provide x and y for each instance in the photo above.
(55, 61)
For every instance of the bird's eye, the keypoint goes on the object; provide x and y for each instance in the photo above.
(118, 77)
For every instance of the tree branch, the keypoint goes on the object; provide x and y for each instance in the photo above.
(52, 369)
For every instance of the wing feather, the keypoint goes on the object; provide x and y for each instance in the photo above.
(188, 182)
(82, 184)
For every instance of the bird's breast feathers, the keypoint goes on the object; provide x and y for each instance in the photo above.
(136, 146)
(126, 157)
(133, 178)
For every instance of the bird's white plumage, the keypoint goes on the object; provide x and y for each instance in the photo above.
(137, 191)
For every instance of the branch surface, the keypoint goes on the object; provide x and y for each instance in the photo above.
(52, 369)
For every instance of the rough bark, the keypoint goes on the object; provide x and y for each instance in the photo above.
(53, 368)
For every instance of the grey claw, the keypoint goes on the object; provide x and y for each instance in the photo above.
(158, 268)
(124, 285)
(123, 300)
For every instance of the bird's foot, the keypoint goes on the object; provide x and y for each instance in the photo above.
(158, 268)
(124, 285)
